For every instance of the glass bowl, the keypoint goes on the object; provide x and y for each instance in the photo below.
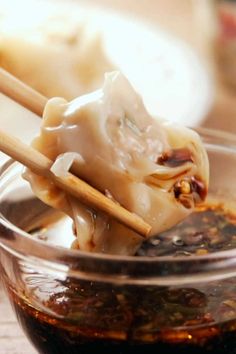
(69, 301)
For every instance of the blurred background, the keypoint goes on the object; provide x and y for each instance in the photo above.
(180, 55)
(209, 28)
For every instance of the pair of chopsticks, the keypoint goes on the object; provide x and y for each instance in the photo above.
(40, 164)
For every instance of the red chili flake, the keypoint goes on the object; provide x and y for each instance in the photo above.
(199, 187)
(175, 157)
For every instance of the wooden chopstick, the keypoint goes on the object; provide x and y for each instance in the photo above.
(41, 165)
(22, 93)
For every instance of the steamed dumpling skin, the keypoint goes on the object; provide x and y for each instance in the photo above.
(154, 168)
(66, 63)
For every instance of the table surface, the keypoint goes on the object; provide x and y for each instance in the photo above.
(12, 339)
(173, 15)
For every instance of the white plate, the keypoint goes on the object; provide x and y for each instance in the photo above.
(164, 70)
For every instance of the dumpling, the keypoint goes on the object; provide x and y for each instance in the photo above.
(156, 169)
(64, 61)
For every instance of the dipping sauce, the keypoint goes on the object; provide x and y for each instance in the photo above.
(89, 316)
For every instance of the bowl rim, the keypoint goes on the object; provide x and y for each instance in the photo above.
(123, 268)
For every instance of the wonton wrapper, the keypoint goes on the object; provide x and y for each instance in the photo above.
(65, 62)
(119, 149)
